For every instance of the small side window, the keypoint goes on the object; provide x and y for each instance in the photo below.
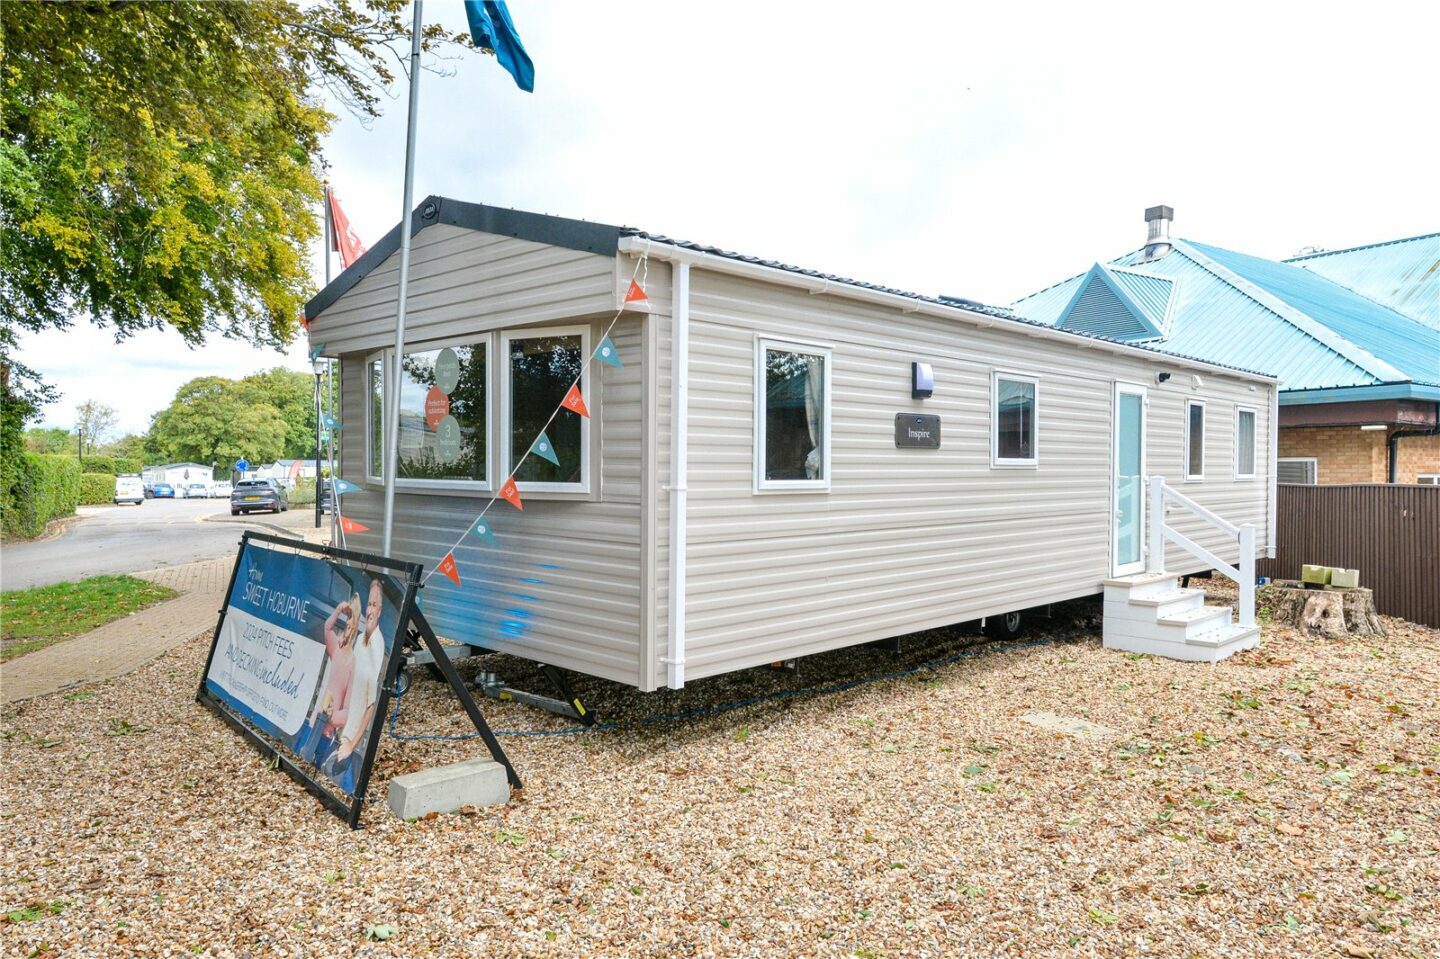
(1244, 443)
(1015, 410)
(792, 417)
(1195, 440)
(375, 377)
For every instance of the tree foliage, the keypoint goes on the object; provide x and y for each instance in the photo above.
(48, 439)
(293, 394)
(159, 162)
(94, 421)
(213, 420)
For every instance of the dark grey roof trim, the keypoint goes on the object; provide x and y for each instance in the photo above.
(605, 240)
(537, 227)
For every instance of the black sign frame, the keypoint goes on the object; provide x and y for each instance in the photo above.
(411, 627)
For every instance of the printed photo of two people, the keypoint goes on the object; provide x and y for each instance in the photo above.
(358, 629)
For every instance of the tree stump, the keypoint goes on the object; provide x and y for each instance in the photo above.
(1328, 612)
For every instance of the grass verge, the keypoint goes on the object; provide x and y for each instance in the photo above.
(32, 619)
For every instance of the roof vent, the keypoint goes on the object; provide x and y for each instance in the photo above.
(1157, 228)
(962, 301)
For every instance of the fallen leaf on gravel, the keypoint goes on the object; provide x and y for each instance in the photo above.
(380, 933)
(469, 810)
(1288, 829)
(1356, 952)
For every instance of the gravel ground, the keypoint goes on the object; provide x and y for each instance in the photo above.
(1283, 803)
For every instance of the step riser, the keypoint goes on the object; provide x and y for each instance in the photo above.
(1184, 652)
(1196, 628)
(1149, 613)
(1125, 593)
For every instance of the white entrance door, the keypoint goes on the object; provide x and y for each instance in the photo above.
(1127, 541)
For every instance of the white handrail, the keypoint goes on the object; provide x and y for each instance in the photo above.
(1160, 532)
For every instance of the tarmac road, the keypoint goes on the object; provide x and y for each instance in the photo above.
(128, 539)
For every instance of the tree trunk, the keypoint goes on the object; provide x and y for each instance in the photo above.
(1331, 613)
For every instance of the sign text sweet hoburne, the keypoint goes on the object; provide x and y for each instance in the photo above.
(917, 431)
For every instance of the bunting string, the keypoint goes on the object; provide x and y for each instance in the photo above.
(573, 401)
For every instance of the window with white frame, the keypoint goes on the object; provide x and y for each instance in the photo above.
(540, 367)
(444, 392)
(1195, 440)
(1299, 470)
(792, 416)
(1014, 430)
(1244, 443)
(1428, 479)
(375, 413)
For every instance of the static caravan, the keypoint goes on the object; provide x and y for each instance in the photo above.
(783, 462)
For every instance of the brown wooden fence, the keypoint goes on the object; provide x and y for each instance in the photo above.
(1390, 533)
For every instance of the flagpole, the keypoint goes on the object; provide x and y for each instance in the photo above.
(329, 233)
(392, 393)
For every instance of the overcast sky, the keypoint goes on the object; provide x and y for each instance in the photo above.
(978, 150)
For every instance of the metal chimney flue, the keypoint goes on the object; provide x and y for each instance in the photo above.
(1157, 229)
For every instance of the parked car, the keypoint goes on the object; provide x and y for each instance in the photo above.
(250, 495)
(129, 488)
(323, 492)
(163, 491)
(197, 491)
(221, 490)
(149, 491)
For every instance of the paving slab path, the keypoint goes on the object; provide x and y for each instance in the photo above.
(128, 643)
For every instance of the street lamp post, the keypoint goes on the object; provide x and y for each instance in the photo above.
(319, 366)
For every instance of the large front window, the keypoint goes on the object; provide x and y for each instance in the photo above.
(442, 414)
(793, 418)
(540, 370)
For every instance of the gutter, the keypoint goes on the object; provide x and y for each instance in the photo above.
(679, 452)
(1392, 445)
(634, 245)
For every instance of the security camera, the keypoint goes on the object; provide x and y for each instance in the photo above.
(1161, 377)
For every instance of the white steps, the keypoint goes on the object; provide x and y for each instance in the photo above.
(1150, 613)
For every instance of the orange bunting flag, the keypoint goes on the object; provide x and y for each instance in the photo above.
(350, 526)
(574, 402)
(447, 566)
(511, 494)
(635, 293)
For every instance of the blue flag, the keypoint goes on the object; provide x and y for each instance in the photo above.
(545, 449)
(481, 528)
(606, 353)
(491, 29)
(345, 486)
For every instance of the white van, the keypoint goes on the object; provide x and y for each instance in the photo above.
(129, 488)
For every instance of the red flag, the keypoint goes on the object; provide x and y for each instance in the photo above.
(343, 238)
(447, 566)
(635, 293)
(350, 526)
(511, 494)
(574, 402)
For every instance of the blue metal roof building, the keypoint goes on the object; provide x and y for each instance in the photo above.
(1402, 274)
(1327, 342)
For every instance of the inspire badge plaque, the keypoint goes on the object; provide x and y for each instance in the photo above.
(917, 431)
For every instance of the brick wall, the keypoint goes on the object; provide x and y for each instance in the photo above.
(1345, 454)
(1348, 454)
(1418, 454)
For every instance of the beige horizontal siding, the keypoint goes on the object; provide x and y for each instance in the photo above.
(907, 539)
(463, 281)
(564, 585)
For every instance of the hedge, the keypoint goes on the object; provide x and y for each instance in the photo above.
(110, 465)
(96, 488)
(37, 489)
